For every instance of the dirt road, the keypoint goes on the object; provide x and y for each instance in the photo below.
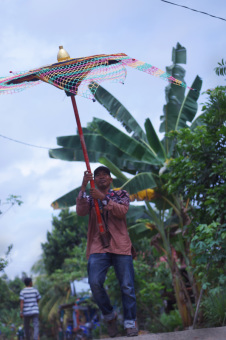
(218, 333)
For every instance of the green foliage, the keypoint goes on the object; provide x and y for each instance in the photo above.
(151, 285)
(76, 264)
(198, 175)
(208, 247)
(14, 199)
(172, 321)
(208, 244)
(4, 261)
(9, 293)
(199, 172)
(55, 288)
(10, 201)
(9, 306)
(221, 69)
(3, 290)
(214, 309)
(11, 317)
(179, 109)
(6, 332)
(68, 231)
(16, 285)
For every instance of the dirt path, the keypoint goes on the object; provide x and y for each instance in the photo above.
(218, 333)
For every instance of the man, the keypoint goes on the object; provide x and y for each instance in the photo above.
(29, 310)
(113, 207)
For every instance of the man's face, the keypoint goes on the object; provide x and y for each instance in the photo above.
(102, 180)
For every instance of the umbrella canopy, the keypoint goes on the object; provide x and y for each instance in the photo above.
(73, 75)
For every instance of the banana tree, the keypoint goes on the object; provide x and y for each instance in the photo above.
(138, 161)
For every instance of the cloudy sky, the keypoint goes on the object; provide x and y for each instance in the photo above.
(31, 32)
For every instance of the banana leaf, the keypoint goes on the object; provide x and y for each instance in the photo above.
(118, 111)
(94, 142)
(179, 54)
(135, 212)
(140, 182)
(72, 155)
(189, 106)
(153, 140)
(125, 164)
(128, 145)
(68, 200)
(139, 230)
(114, 169)
(175, 119)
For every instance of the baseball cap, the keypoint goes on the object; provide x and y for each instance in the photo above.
(102, 168)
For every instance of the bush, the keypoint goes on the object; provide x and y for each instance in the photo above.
(172, 321)
(214, 309)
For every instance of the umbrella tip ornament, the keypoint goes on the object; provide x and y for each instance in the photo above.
(62, 54)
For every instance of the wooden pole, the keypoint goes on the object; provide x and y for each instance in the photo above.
(104, 237)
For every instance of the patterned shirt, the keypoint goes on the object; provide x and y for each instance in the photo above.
(114, 208)
(30, 296)
(119, 196)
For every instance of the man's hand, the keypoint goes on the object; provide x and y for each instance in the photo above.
(21, 315)
(95, 193)
(88, 176)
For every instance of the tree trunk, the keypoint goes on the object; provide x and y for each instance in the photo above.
(182, 297)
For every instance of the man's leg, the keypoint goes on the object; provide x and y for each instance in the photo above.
(27, 327)
(36, 326)
(123, 265)
(98, 265)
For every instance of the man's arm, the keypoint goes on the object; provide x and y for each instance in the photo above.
(21, 308)
(118, 209)
(82, 204)
(88, 176)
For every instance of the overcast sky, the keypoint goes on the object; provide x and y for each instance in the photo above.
(31, 33)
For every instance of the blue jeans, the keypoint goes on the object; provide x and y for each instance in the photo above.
(98, 265)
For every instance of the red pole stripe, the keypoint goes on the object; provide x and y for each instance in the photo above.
(99, 220)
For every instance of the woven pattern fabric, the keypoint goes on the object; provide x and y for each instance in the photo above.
(6, 87)
(74, 75)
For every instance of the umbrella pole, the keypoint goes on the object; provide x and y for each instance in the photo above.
(99, 220)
